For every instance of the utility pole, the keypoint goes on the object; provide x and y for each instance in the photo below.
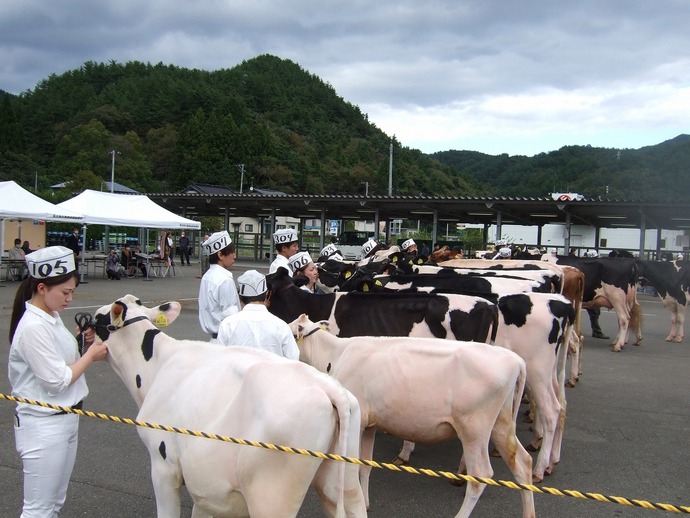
(390, 171)
(241, 167)
(112, 171)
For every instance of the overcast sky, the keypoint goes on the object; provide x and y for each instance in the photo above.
(516, 77)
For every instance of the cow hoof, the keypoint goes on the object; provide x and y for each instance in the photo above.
(616, 349)
(570, 384)
(536, 478)
(548, 471)
(399, 462)
(458, 483)
(532, 447)
(494, 453)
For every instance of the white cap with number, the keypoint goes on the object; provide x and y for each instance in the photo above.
(51, 261)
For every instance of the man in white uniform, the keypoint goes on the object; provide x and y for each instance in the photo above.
(254, 326)
(286, 244)
(217, 292)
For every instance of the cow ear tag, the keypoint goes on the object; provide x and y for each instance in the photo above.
(161, 320)
(378, 283)
(348, 275)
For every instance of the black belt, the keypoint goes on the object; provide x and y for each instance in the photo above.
(78, 406)
(214, 335)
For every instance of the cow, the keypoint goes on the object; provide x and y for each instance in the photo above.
(255, 395)
(429, 390)
(671, 280)
(611, 283)
(536, 326)
(573, 290)
(453, 317)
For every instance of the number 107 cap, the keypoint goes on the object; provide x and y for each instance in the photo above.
(51, 261)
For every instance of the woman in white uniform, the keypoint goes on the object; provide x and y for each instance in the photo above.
(304, 271)
(45, 364)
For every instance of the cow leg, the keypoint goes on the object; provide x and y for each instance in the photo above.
(515, 456)
(404, 455)
(367, 453)
(475, 447)
(548, 412)
(575, 352)
(166, 486)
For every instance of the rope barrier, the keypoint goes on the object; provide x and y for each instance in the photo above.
(361, 462)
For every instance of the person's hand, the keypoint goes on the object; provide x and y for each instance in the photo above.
(98, 351)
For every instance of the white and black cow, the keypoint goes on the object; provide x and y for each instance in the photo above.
(239, 392)
(429, 390)
(671, 280)
(611, 282)
(453, 317)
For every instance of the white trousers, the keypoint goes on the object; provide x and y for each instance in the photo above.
(48, 448)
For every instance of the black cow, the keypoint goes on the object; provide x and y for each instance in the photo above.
(671, 279)
(457, 317)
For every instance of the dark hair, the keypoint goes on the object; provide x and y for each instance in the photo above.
(213, 258)
(255, 298)
(27, 289)
(281, 246)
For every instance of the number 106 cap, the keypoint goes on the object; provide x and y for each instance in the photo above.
(51, 261)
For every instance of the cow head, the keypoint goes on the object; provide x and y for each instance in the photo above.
(128, 310)
(333, 273)
(302, 327)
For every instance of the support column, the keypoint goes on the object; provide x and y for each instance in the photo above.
(643, 233)
(434, 230)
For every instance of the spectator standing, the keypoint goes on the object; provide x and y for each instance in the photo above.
(27, 248)
(45, 365)
(217, 293)
(183, 243)
(72, 242)
(254, 326)
(286, 245)
(203, 255)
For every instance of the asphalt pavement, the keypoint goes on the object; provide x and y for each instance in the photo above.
(627, 431)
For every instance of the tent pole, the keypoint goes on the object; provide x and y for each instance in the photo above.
(146, 249)
(2, 245)
(83, 253)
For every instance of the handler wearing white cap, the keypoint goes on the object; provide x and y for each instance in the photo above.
(217, 292)
(370, 247)
(409, 247)
(304, 272)
(45, 365)
(286, 245)
(254, 326)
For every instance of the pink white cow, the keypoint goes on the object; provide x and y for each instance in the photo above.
(238, 392)
(429, 390)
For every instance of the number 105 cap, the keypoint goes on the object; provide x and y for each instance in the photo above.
(51, 261)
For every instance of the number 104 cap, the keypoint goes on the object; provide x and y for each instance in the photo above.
(51, 261)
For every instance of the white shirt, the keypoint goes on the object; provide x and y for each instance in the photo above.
(217, 298)
(42, 351)
(255, 327)
(279, 261)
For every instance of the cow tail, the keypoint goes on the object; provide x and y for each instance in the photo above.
(342, 401)
(519, 388)
(494, 326)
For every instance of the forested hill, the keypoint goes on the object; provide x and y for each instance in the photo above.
(172, 126)
(654, 173)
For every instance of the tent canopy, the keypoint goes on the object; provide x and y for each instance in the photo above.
(104, 208)
(18, 203)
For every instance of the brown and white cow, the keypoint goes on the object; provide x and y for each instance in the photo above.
(671, 280)
(254, 395)
(429, 390)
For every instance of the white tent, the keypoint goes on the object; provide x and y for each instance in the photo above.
(18, 203)
(104, 208)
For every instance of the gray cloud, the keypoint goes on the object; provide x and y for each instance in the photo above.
(477, 73)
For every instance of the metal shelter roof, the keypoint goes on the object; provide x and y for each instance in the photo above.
(599, 212)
